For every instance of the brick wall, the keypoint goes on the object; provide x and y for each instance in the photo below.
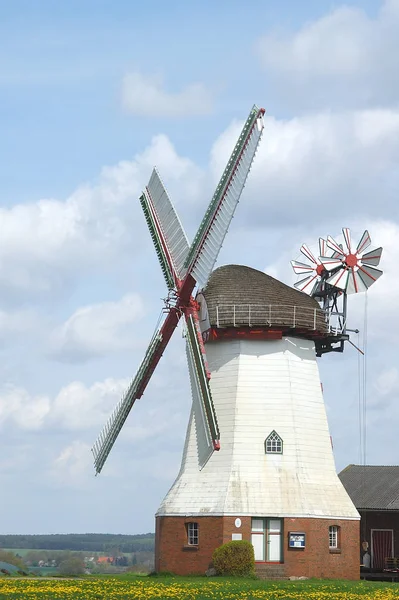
(229, 527)
(316, 559)
(173, 554)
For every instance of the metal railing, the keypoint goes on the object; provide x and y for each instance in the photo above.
(270, 315)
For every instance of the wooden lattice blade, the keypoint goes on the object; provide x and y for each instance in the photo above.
(170, 240)
(207, 429)
(212, 231)
(105, 441)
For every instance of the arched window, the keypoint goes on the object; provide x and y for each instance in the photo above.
(273, 444)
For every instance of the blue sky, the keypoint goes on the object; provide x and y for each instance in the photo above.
(92, 95)
(62, 66)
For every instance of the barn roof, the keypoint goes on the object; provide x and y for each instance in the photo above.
(271, 302)
(372, 487)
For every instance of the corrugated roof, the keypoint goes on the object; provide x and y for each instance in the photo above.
(372, 487)
(242, 286)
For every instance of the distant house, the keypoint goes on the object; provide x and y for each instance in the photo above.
(104, 560)
(374, 490)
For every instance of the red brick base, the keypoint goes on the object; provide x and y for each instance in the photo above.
(173, 554)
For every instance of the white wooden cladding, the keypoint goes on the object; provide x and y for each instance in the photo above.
(209, 251)
(172, 229)
(257, 387)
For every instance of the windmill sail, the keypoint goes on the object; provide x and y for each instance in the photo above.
(312, 283)
(204, 441)
(309, 284)
(212, 231)
(373, 257)
(207, 429)
(353, 271)
(166, 230)
(112, 428)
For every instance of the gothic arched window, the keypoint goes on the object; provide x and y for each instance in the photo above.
(273, 444)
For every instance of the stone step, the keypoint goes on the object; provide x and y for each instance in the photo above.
(264, 571)
(269, 567)
(279, 571)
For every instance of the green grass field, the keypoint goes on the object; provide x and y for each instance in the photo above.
(194, 588)
(21, 551)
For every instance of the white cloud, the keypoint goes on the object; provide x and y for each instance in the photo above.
(73, 466)
(16, 459)
(146, 96)
(49, 243)
(98, 330)
(304, 167)
(80, 407)
(388, 382)
(18, 323)
(21, 409)
(345, 57)
(382, 412)
(326, 166)
(75, 407)
(337, 43)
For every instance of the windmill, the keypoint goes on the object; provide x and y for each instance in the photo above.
(256, 396)
(338, 270)
(185, 267)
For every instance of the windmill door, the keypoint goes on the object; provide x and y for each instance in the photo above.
(381, 547)
(266, 539)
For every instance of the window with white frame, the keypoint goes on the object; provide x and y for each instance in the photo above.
(192, 534)
(333, 535)
(273, 444)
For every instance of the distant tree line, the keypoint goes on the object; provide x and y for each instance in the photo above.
(89, 542)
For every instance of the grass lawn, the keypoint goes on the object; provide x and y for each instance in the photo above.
(191, 588)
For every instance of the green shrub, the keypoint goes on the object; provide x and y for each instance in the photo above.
(234, 558)
(72, 566)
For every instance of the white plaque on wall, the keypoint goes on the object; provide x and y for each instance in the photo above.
(236, 536)
(237, 523)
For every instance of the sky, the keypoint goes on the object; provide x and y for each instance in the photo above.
(94, 94)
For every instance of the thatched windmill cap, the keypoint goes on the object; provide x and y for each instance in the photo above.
(237, 295)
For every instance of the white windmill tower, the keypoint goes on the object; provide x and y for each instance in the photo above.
(256, 397)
